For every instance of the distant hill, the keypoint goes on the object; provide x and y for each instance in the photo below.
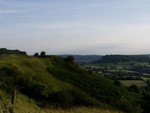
(84, 58)
(123, 58)
(4, 51)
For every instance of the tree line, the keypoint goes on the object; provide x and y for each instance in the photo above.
(123, 58)
(4, 51)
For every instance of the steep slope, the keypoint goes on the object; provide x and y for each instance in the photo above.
(53, 81)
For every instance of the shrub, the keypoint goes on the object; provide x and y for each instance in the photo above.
(36, 54)
(134, 88)
(43, 53)
(117, 83)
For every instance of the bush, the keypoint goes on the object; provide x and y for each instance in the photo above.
(43, 53)
(128, 106)
(36, 54)
(117, 83)
(134, 88)
(61, 98)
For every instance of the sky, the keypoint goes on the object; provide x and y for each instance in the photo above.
(76, 26)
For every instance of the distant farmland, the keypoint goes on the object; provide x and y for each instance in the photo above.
(133, 82)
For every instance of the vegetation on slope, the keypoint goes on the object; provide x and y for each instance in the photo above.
(53, 81)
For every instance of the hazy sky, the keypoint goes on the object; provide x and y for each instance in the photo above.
(76, 26)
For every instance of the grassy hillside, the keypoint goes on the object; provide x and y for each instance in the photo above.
(53, 81)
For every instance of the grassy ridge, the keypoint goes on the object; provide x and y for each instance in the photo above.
(54, 81)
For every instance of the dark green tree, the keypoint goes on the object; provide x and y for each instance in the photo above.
(43, 53)
(70, 59)
(117, 83)
(134, 88)
(36, 54)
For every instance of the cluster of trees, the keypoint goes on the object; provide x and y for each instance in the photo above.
(70, 59)
(42, 54)
(145, 92)
(4, 51)
(124, 78)
(120, 73)
(123, 58)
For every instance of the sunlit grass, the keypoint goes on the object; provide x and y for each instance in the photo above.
(79, 110)
(73, 110)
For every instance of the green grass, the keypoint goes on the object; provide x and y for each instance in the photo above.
(133, 82)
(26, 107)
(76, 110)
(23, 104)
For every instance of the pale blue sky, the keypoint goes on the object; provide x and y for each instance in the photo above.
(76, 26)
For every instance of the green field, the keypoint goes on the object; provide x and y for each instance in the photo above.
(133, 82)
(145, 78)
